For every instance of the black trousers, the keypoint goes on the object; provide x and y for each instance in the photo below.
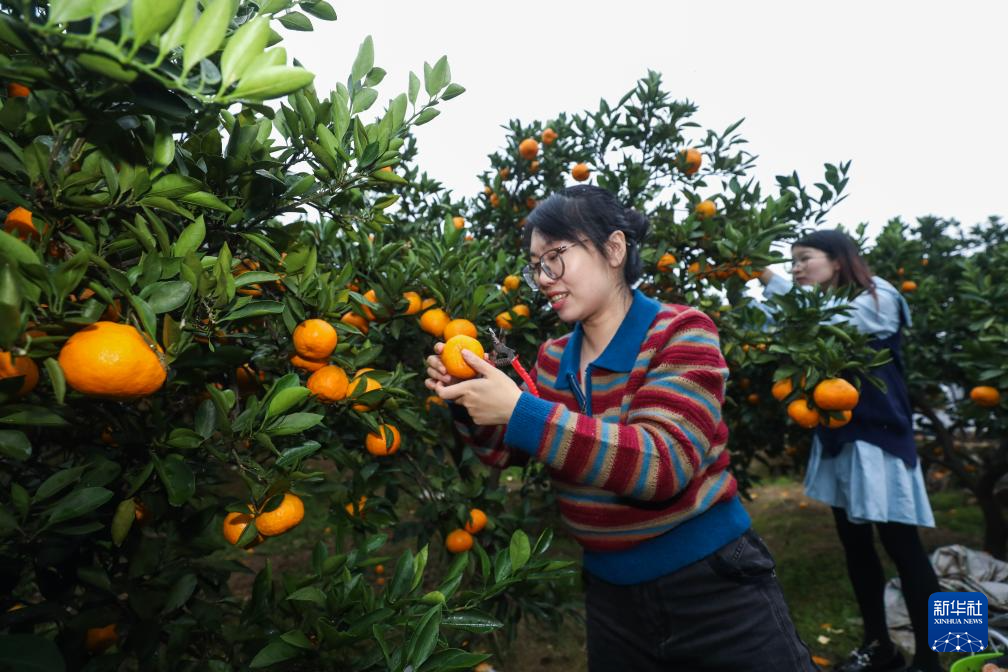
(724, 612)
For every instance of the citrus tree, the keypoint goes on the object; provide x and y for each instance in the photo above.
(953, 277)
(209, 346)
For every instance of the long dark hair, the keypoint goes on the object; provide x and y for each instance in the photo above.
(841, 248)
(594, 213)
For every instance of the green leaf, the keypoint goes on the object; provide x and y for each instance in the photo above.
(295, 423)
(519, 550)
(472, 621)
(122, 521)
(296, 21)
(14, 445)
(364, 61)
(57, 379)
(414, 87)
(180, 593)
(78, 503)
(177, 477)
(147, 317)
(206, 418)
(164, 297)
(65, 11)
(453, 659)
(254, 309)
(30, 653)
(152, 17)
(424, 639)
(179, 28)
(320, 9)
(364, 99)
(297, 453)
(273, 653)
(308, 594)
(208, 33)
(205, 199)
(286, 400)
(271, 82)
(58, 481)
(453, 91)
(242, 48)
(173, 185)
(13, 248)
(427, 115)
(298, 639)
(37, 416)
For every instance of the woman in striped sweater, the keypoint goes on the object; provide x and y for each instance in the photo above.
(628, 421)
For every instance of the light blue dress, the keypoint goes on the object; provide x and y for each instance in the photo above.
(869, 483)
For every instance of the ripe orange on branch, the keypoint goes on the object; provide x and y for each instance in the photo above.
(581, 172)
(528, 148)
(434, 322)
(666, 262)
(803, 413)
(459, 326)
(458, 541)
(287, 515)
(835, 394)
(329, 384)
(549, 136)
(691, 159)
(384, 442)
(19, 223)
(476, 522)
(112, 360)
(315, 339)
(705, 210)
(985, 395)
(22, 366)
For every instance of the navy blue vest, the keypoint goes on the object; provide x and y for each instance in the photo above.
(884, 419)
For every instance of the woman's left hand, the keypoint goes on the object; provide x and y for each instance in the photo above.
(490, 399)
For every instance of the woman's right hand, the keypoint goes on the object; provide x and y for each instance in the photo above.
(436, 371)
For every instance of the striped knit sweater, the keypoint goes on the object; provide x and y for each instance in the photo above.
(637, 450)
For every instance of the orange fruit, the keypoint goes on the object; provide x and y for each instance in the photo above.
(924, 261)
(315, 339)
(468, 237)
(985, 395)
(477, 521)
(244, 267)
(415, 302)
(329, 384)
(531, 203)
(503, 320)
(355, 320)
(140, 512)
(803, 414)
(691, 159)
(494, 200)
(666, 262)
(385, 441)
(458, 222)
(504, 173)
(745, 383)
(307, 364)
(371, 296)
(248, 380)
(287, 515)
(451, 356)
(109, 439)
(549, 136)
(753, 399)
(112, 360)
(434, 322)
(379, 569)
(580, 172)
(511, 283)
(782, 389)
(19, 223)
(835, 394)
(705, 210)
(349, 508)
(487, 190)
(22, 366)
(909, 286)
(15, 90)
(833, 422)
(458, 541)
(534, 167)
(235, 524)
(433, 400)
(369, 385)
(528, 148)
(428, 303)
(97, 640)
(900, 271)
(459, 326)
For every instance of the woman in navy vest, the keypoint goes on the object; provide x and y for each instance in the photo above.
(868, 471)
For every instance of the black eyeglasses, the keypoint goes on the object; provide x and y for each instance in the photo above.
(550, 262)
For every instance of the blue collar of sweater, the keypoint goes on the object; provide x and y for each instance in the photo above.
(622, 351)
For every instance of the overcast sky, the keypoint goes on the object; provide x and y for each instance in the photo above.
(913, 93)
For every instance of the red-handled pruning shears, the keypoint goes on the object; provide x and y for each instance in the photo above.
(502, 355)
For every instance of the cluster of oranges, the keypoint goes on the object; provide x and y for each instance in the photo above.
(314, 342)
(832, 404)
(287, 515)
(460, 539)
